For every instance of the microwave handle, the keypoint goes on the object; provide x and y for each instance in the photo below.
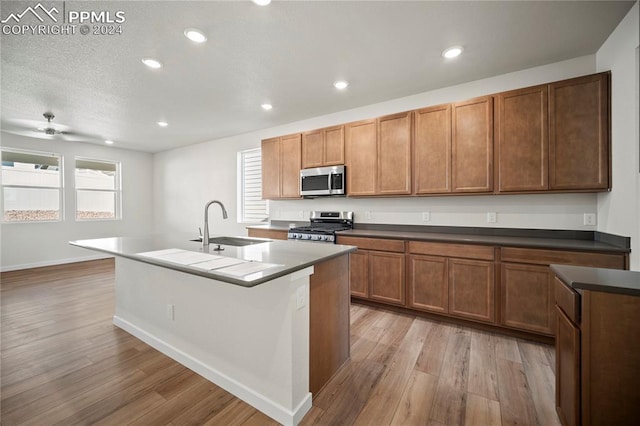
(329, 182)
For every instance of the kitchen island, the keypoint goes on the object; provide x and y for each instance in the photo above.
(268, 323)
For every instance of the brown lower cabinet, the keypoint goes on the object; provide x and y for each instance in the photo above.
(460, 287)
(377, 269)
(597, 357)
(509, 287)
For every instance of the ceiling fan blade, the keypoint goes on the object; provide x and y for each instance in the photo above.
(16, 123)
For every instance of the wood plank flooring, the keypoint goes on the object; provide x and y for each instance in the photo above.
(63, 362)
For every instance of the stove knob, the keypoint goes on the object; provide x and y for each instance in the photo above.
(325, 238)
(298, 236)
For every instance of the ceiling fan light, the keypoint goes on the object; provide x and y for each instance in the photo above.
(452, 52)
(152, 63)
(194, 35)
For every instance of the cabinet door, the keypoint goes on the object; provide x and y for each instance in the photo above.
(290, 153)
(361, 157)
(427, 278)
(432, 150)
(522, 143)
(472, 145)
(471, 289)
(579, 133)
(359, 273)
(386, 277)
(312, 149)
(394, 154)
(271, 168)
(334, 146)
(567, 370)
(527, 298)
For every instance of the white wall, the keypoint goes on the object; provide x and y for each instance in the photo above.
(187, 177)
(38, 244)
(619, 210)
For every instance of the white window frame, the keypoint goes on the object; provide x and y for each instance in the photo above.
(250, 175)
(59, 187)
(117, 191)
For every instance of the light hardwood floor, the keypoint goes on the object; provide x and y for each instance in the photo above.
(63, 362)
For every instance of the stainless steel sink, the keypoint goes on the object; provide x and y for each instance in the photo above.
(234, 241)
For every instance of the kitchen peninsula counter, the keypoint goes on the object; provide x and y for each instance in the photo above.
(270, 337)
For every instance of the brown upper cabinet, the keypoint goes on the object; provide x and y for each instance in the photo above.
(361, 155)
(378, 156)
(522, 143)
(432, 150)
(579, 133)
(552, 137)
(281, 167)
(472, 145)
(323, 147)
(394, 154)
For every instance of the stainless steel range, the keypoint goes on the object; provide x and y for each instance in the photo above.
(323, 227)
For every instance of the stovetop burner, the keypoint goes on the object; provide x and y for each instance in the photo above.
(322, 227)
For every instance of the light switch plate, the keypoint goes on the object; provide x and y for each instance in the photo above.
(301, 299)
(426, 216)
(492, 217)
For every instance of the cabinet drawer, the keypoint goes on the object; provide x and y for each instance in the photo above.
(547, 257)
(452, 250)
(568, 300)
(379, 244)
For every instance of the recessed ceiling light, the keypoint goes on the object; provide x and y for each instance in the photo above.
(195, 35)
(266, 107)
(340, 85)
(152, 63)
(108, 142)
(262, 2)
(163, 123)
(452, 52)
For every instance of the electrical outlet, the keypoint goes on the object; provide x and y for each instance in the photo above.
(367, 215)
(301, 299)
(301, 214)
(171, 314)
(590, 219)
(492, 217)
(426, 216)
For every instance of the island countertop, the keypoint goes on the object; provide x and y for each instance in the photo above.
(284, 256)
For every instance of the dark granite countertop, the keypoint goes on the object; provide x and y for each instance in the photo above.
(506, 237)
(496, 240)
(599, 279)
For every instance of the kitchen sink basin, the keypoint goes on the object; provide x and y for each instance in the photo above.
(234, 241)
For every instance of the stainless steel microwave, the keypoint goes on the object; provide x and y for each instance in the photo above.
(322, 181)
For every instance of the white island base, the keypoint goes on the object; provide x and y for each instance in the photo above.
(252, 342)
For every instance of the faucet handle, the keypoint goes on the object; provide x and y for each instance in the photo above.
(200, 231)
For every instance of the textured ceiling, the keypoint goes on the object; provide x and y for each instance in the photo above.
(288, 54)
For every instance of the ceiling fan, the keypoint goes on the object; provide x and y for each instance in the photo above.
(46, 129)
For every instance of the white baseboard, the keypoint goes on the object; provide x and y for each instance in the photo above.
(248, 395)
(53, 262)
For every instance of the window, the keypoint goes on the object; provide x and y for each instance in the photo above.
(251, 207)
(31, 186)
(98, 191)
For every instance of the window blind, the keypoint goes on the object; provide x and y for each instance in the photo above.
(254, 208)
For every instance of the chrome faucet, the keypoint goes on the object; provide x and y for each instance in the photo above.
(205, 234)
